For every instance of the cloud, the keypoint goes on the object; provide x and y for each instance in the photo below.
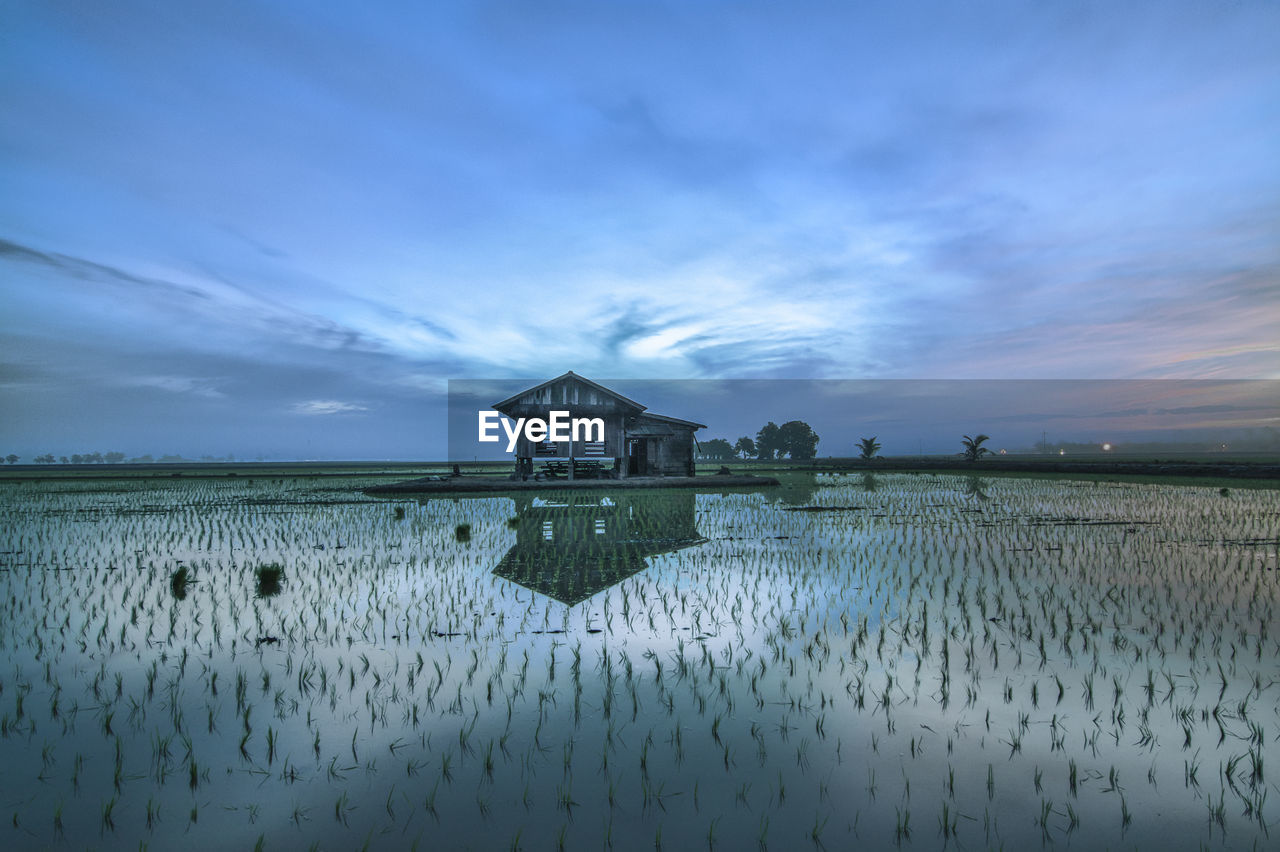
(220, 312)
(324, 407)
(176, 384)
(87, 270)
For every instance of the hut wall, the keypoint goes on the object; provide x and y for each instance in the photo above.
(673, 455)
(614, 446)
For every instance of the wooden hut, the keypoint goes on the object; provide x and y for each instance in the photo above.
(636, 441)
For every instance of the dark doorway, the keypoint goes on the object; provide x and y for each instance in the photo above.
(637, 457)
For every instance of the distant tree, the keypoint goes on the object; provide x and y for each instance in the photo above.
(745, 447)
(94, 458)
(973, 449)
(76, 458)
(717, 448)
(144, 459)
(47, 458)
(769, 441)
(12, 458)
(114, 458)
(798, 439)
(868, 447)
(65, 460)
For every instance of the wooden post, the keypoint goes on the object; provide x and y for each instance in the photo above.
(571, 456)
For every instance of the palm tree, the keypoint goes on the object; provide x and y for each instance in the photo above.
(869, 447)
(973, 449)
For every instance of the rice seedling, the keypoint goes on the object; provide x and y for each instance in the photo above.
(269, 578)
(178, 582)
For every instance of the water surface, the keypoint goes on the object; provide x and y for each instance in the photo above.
(877, 660)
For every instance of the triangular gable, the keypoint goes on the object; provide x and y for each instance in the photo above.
(571, 375)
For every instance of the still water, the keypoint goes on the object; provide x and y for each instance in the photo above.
(862, 660)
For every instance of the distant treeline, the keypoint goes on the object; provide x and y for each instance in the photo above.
(113, 458)
(794, 439)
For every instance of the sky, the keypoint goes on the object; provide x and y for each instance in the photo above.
(280, 228)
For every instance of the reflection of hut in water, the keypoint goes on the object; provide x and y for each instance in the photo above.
(572, 545)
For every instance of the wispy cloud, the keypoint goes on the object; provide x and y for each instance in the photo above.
(176, 384)
(325, 407)
(87, 270)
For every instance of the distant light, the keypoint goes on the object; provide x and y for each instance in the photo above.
(1004, 452)
(1062, 452)
(1106, 448)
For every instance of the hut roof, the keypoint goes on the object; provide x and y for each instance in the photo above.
(675, 421)
(511, 400)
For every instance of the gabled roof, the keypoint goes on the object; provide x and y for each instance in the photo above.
(498, 406)
(649, 429)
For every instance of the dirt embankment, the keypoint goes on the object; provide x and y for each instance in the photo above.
(1216, 470)
(473, 484)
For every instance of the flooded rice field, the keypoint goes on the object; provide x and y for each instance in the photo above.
(850, 660)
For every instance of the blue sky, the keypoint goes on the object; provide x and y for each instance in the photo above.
(280, 228)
